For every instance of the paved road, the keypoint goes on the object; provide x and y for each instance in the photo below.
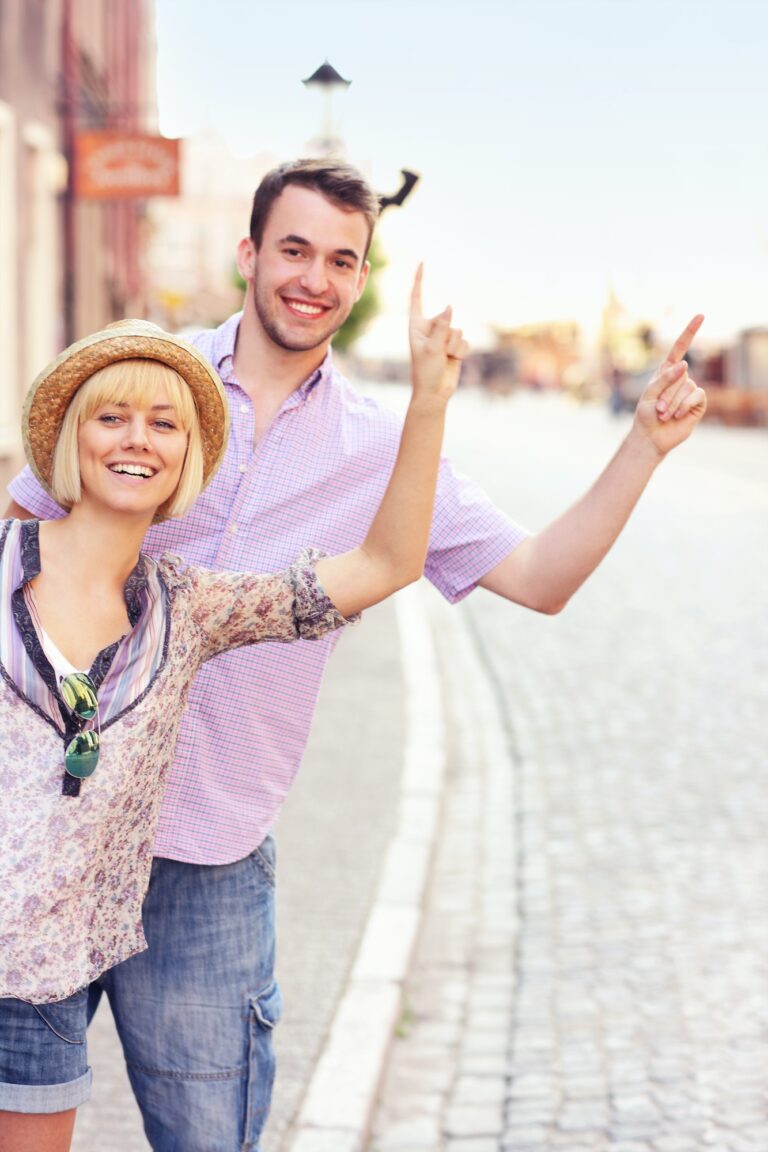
(629, 1010)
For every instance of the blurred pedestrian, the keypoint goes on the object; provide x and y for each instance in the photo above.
(617, 390)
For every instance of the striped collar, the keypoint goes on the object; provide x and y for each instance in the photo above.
(122, 673)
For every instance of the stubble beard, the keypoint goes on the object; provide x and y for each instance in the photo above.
(279, 337)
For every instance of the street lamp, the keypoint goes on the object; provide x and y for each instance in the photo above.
(327, 80)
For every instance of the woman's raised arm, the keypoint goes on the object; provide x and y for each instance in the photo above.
(393, 553)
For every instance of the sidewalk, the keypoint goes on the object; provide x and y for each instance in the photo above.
(336, 1111)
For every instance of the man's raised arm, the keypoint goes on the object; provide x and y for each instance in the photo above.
(546, 569)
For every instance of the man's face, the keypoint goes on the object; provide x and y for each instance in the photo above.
(309, 269)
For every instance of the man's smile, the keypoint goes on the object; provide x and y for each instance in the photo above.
(305, 307)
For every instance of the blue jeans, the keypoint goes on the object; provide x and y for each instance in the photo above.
(195, 1012)
(43, 1065)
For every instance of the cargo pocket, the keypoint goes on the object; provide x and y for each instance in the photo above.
(268, 1006)
(264, 1012)
(67, 1019)
(264, 858)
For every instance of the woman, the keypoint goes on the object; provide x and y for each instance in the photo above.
(98, 645)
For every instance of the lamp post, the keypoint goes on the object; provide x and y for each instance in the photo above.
(327, 80)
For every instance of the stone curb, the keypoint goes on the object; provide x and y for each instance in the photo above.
(337, 1109)
(446, 1080)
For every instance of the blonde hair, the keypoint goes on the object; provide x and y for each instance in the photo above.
(129, 382)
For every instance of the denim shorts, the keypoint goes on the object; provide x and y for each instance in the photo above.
(43, 1061)
(195, 1013)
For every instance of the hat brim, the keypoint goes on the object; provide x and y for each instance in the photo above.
(50, 394)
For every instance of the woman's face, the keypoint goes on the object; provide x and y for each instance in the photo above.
(131, 455)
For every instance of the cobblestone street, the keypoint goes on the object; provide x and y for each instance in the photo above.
(624, 1007)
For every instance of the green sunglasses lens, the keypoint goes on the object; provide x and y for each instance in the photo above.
(80, 695)
(82, 755)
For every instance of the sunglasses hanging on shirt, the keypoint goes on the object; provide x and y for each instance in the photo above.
(82, 752)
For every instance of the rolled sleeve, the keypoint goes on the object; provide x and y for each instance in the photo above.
(469, 536)
(314, 612)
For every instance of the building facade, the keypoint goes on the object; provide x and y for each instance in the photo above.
(67, 266)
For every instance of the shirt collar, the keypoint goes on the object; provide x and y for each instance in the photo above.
(320, 375)
(224, 356)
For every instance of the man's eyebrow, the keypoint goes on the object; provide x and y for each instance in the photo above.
(292, 238)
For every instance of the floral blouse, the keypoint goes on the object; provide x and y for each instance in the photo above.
(76, 855)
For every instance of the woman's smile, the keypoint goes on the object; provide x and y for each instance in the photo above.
(131, 456)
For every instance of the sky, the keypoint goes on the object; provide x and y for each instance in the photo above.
(565, 148)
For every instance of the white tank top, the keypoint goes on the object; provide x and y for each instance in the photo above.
(61, 666)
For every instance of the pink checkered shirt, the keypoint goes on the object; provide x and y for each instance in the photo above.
(315, 478)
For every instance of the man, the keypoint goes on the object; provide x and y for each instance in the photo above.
(196, 1010)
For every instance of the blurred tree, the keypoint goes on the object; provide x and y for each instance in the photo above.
(363, 312)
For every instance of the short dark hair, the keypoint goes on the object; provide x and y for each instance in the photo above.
(338, 181)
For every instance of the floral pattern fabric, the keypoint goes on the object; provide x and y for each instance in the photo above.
(75, 869)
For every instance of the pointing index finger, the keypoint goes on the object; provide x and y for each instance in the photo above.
(417, 312)
(684, 340)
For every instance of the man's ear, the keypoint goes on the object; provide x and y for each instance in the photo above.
(246, 258)
(363, 279)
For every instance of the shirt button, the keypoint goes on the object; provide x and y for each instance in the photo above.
(232, 529)
(242, 467)
(243, 408)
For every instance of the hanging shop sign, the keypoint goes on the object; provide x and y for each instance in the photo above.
(118, 165)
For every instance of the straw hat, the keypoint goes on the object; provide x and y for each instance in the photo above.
(47, 399)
